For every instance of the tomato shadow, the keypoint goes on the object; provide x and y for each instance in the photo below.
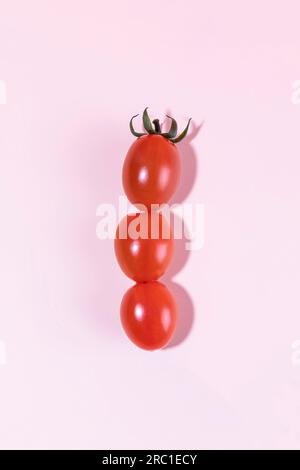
(186, 308)
(184, 302)
(189, 165)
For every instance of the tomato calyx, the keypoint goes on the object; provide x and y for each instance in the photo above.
(155, 128)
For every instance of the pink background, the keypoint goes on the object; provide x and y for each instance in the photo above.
(75, 72)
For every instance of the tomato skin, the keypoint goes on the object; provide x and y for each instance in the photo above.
(151, 170)
(144, 259)
(149, 315)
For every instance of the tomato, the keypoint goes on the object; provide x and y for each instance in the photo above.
(144, 259)
(149, 315)
(151, 170)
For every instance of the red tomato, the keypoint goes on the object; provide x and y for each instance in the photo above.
(151, 170)
(144, 259)
(149, 315)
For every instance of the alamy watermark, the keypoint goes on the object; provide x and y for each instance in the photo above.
(295, 356)
(295, 93)
(3, 354)
(184, 221)
(3, 94)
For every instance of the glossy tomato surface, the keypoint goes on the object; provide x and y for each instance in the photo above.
(146, 257)
(149, 315)
(151, 170)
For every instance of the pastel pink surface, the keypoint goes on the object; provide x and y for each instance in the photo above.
(75, 73)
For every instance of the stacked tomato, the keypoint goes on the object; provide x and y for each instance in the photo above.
(144, 240)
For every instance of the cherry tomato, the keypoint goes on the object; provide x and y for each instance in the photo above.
(144, 258)
(151, 170)
(149, 315)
